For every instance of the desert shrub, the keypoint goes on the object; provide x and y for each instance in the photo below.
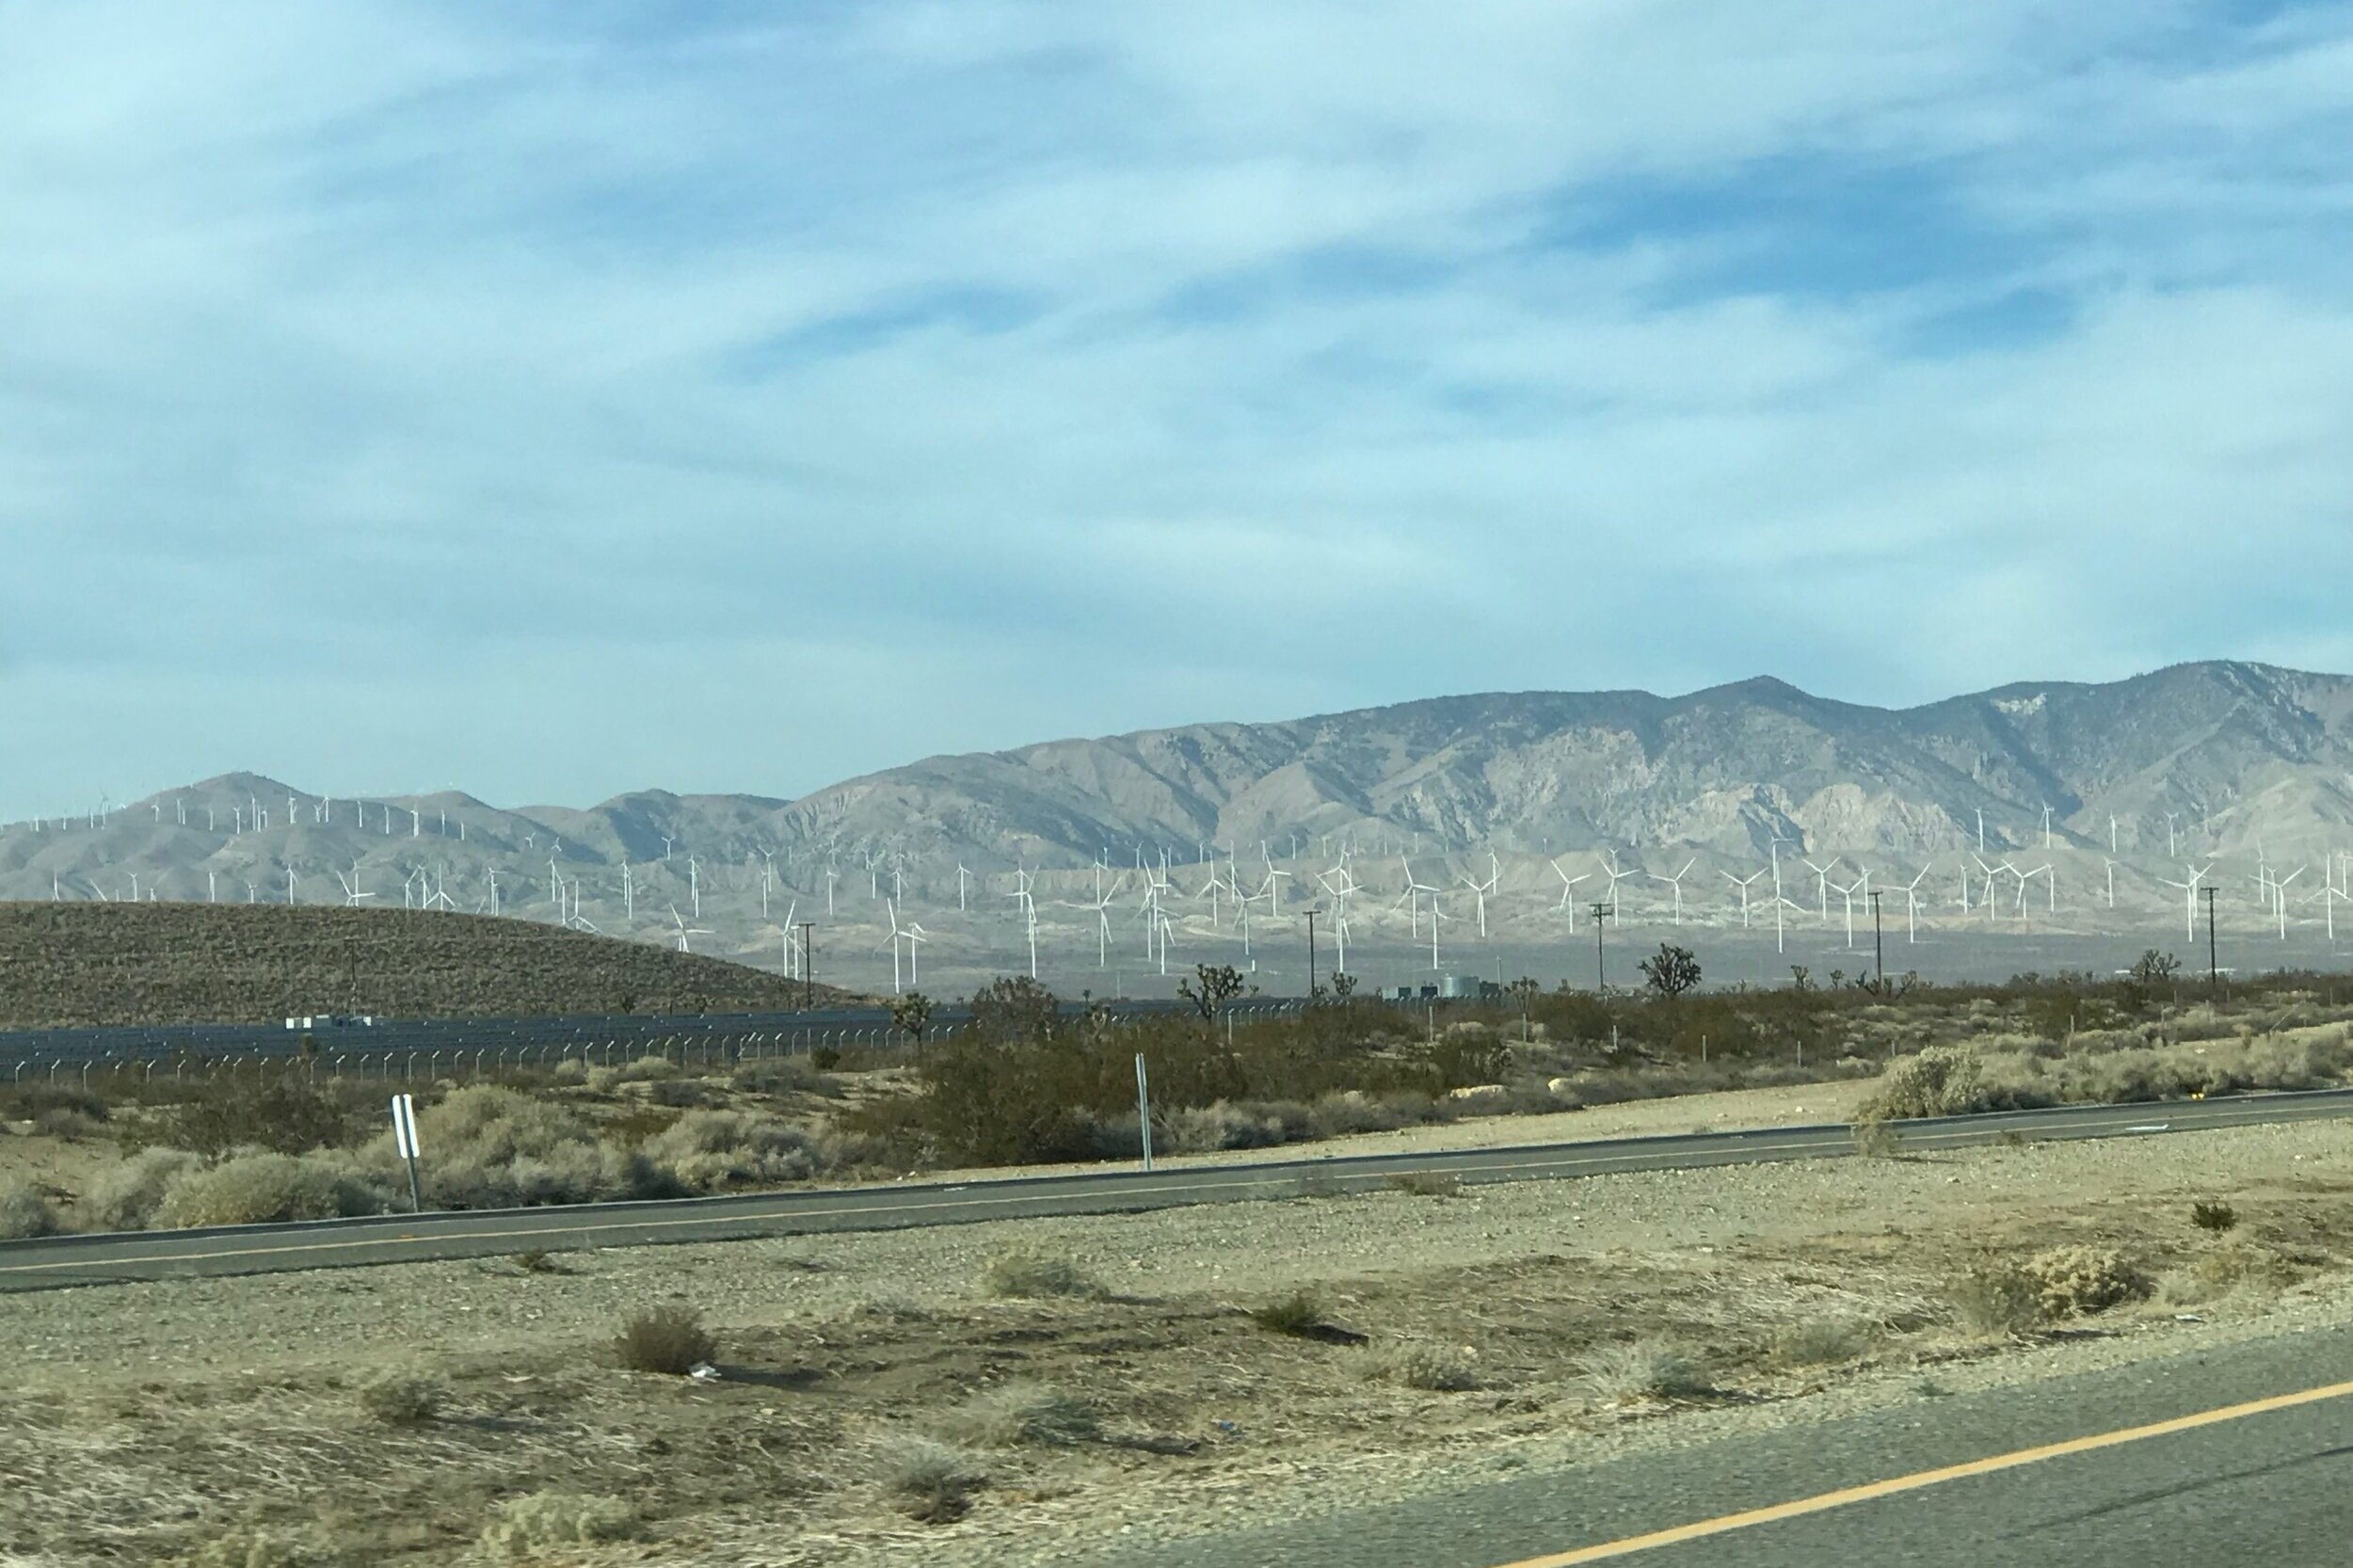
(265, 1189)
(1299, 1313)
(536, 1520)
(1427, 1184)
(2213, 1215)
(1352, 1111)
(29, 1102)
(244, 1546)
(2233, 1266)
(24, 1213)
(710, 1151)
(1028, 1272)
(2081, 1281)
(67, 1127)
(785, 1075)
(569, 1073)
(1432, 1368)
(931, 1482)
(284, 1113)
(1821, 1342)
(1202, 1129)
(647, 1069)
(669, 1338)
(1942, 1081)
(403, 1399)
(680, 1093)
(1997, 1298)
(1013, 1414)
(1875, 1139)
(1645, 1369)
(126, 1196)
(493, 1147)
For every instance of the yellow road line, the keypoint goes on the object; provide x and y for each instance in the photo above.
(1848, 1497)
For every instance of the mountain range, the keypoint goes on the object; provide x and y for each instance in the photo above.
(2199, 758)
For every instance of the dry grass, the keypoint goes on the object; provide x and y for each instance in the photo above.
(1299, 1314)
(1822, 1342)
(1427, 1184)
(403, 1399)
(529, 1524)
(2080, 1282)
(1025, 1272)
(1021, 1413)
(669, 1338)
(930, 1480)
(1432, 1368)
(1645, 1369)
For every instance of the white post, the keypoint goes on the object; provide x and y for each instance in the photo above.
(1144, 1109)
(404, 1141)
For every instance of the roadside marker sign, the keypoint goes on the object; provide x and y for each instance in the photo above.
(404, 1141)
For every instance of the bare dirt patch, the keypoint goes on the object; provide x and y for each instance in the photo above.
(148, 1420)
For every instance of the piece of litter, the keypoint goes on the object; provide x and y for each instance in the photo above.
(703, 1371)
(2152, 1126)
(2187, 1318)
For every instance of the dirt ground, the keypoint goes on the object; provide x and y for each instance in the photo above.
(160, 1422)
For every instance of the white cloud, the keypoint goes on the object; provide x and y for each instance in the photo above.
(476, 377)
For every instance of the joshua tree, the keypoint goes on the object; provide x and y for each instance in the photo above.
(912, 1014)
(1212, 986)
(1672, 971)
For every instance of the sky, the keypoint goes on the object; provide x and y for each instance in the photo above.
(557, 399)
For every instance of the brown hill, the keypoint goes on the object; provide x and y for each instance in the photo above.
(95, 964)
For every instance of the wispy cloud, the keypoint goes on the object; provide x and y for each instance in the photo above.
(557, 399)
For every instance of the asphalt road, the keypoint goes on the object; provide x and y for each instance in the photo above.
(53, 1262)
(2269, 1486)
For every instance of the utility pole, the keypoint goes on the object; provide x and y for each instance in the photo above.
(1601, 973)
(808, 965)
(2214, 970)
(1879, 948)
(1311, 954)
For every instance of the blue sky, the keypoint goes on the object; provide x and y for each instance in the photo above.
(557, 399)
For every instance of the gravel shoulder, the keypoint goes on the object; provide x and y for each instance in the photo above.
(224, 1401)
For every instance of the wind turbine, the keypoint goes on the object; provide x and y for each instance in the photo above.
(1676, 882)
(352, 895)
(2282, 899)
(1481, 890)
(2190, 894)
(1411, 898)
(1821, 874)
(684, 931)
(1847, 892)
(1615, 876)
(1568, 892)
(1912, 905)
(1743, 883)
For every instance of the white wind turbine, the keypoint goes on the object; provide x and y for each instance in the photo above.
(1615, 876)
(1912, 905)
(2281, 899)
(1411, 898)
(1339, 891)
(2189, 895)
(1568, 892)
(2111, 865)
(1847, 892)
(1481, 890)
(1822, 876)
(1676, 882)
(2049, 879)
(684, 931)
(910, 934)
(1744, 883)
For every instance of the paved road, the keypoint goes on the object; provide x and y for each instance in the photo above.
(2269, 1486)
(56, 1261)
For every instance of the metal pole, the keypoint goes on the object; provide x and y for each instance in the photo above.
(808, 965)
(2214, 970)
(1601, 975)
(1311, 953)
(1879, 947)
(1143, 1108)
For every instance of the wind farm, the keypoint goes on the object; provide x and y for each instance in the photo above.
(1928, 841)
